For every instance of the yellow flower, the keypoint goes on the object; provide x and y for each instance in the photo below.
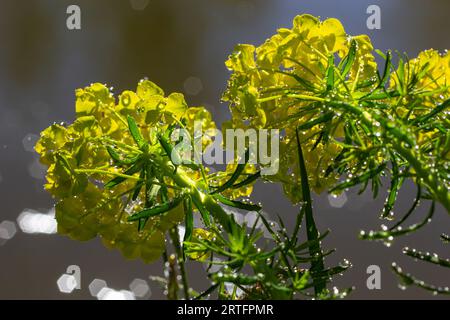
(79, 165)
(297, 60)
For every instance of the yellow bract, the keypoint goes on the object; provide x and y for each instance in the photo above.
(95, 99)
(430, 72)
(194, 249)
(263, 76)
(79, 164)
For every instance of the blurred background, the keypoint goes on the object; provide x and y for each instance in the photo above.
(181, 45)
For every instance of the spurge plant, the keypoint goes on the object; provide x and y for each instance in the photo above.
(344, 123)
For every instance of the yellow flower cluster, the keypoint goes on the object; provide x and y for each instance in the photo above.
(79, 165)
(294, 60)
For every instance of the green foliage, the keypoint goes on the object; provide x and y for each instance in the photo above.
(278, 271)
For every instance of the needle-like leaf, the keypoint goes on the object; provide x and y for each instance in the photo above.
(156, 210)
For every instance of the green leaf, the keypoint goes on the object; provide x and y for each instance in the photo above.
(301, 258)
(118, 159)
(298, 223)
(203, 212)
(236, 174)
(114, 155)
(445, 238)
(427, 257)
(248, 180)
(407, 279)
(411, 210)
(387, 68)
(440, 108)
(401, 76)
(138, 185)
(310, 243)
(188, 220)
(167, 146)
(360, 179)
(330, 73)
(301, 283)
(311, 123)
(156, 210)
(381, 235)
(311, 229)
(349, 59)
(207, 291)
(135, 132)
(381, 53)
(237, 278)
(237, 204)
(130, 171)
(327, 273)
(396, 184)
(151, 192)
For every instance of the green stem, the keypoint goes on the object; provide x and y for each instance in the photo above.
(120, 144)
(176, 243)
(99, 171)
(435, 187)
(181, 178)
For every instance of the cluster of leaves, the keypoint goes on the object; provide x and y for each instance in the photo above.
(277, 271)
(356, 123)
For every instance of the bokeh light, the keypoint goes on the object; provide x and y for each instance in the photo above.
(66, 283)
(96, 286)
(29, 141)
(139, 5)
(111, 294)
(140, 288)
(337, 200)
(251, 217)
(31, 221)
(193, 86)
(7, 230)
(37, 170)
(181, 232)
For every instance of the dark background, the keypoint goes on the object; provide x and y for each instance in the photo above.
(169, 41)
